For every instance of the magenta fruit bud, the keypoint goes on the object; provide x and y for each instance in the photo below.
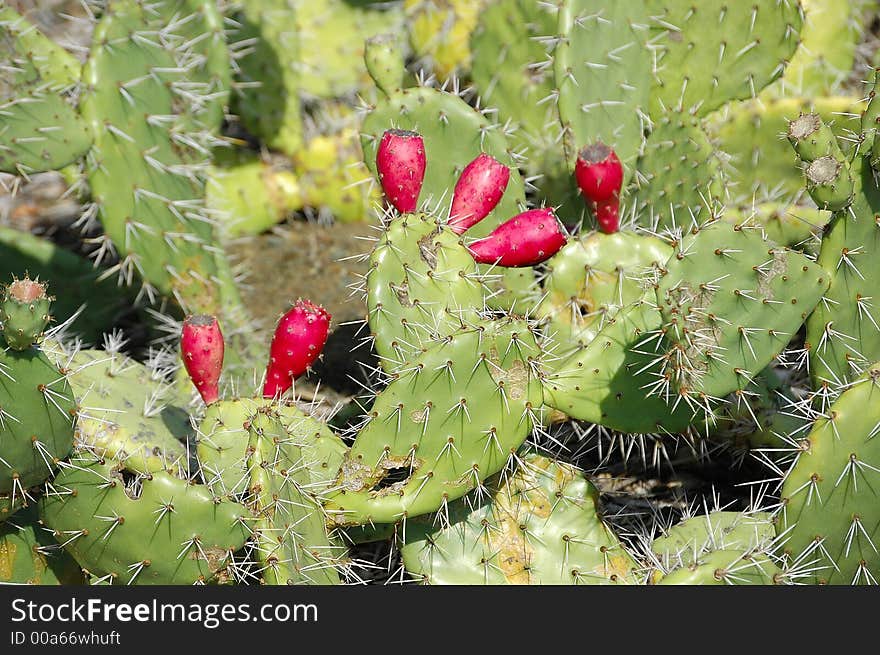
(524, 240)
(401, 165)
(599, 176)
(202, 348)
(299, 339)
(477, 192)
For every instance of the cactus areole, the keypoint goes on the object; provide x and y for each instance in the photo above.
(299, 338)
(599, 176)
(202, 349)
(401, 163)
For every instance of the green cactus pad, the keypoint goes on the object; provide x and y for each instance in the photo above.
(709, 54)
(793, 226)
(422, 282)
(268, 104)
(684, 543)
(513, 73)
(153, 216)
(679, 174)
(36, 419)
(222, 443)
(448, 420)
(830, 513)
(726, 567)
(539, 525)
(731, 302)
(12, 502)
(127, 413)
(41, 130)
(151, 530)
(292, 544)
(591, 279)
(24, 312)
(843, 334)
(606, 381)
(384, 57)
(29, 554)
(603, 75)
(454, 135)
(196, 29)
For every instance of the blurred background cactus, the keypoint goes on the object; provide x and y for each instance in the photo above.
(591, 292)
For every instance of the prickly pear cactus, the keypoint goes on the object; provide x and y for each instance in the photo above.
(36, 403)
(422, 284)
(440, 31)
(128, 412)
(133, 529)
(705, 56)
(843, 333)
(448, 420)
(247, 196)
(222, 443)
(828, 521)
(591, 279)
(291, 541)
(605, 95)
(730, 302)
(29, 555)
(454, 134)
(540, 524)
(82, 295)
(41, 128)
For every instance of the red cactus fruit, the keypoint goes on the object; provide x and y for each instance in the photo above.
(599, 176)
(477, 192)
(299, 338)
(524, 240)
(401, 165)
(607, 215)
(202, 348)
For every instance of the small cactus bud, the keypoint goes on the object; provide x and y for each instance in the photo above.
(599, 176)
(477, 192)
(24, 312)
(299, 338)
(202, 349)
(401, 165)
(526, 239)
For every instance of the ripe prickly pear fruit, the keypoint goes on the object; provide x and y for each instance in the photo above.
(477, 192)
(24, 312)
(202, 348)
(607, 215)
(526, 239)
(299, 338)
(599, 176)
(401, 163)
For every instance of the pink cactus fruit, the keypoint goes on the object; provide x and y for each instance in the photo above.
(599, 176)
(202, 348)
(401, 163)
(526, 239)
(477, 192)
(299, 338)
